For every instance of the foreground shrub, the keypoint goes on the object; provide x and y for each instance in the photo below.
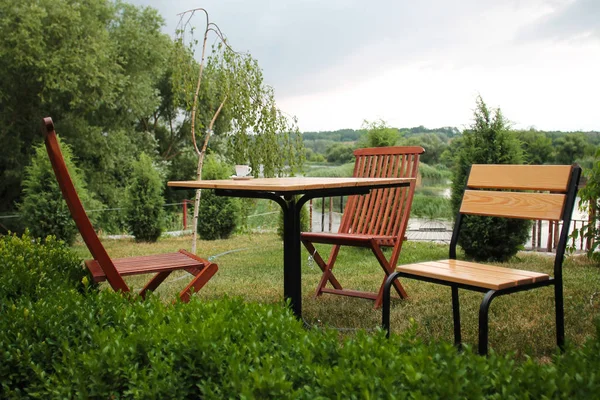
(144, 201)
(99, 344)
(102, 345)
(32, 268)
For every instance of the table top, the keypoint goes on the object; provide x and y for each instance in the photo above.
(289, 184)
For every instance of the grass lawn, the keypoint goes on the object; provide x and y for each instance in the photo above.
(250, 266)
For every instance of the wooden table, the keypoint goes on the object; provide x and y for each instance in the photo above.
(283, 191)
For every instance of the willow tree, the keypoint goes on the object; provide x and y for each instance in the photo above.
(225, 94)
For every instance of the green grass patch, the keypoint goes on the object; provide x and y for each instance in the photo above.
(251, 266)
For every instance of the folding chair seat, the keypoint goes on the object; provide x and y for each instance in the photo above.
(102, 267)
(537, 192)
(376, 220)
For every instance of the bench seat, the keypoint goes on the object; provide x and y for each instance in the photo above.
(473, 274)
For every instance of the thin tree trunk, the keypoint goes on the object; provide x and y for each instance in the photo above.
(199, 174)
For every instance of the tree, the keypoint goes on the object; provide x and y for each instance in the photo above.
(432, 143)
(379, 134)
(230, 87)
(44, 209)
(144, 201)
(489, 141)
(570, 147)
(55, 58)
(537, 147)
(101, 71)
(340, 153)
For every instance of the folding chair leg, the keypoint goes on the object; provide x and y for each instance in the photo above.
(202, 277)
(154, 283)
(560, 314)
(385, 265)
(327, 273)
(456, 317)
(483, 322)
(327, 276)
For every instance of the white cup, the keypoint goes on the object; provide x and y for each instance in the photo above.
(242, 170)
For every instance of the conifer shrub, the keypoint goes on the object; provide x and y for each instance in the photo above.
(218, 215)
(44, 210)
(144, 201)
(489, 141)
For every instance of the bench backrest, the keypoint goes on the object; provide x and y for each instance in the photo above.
(76, 208)
(535, 192)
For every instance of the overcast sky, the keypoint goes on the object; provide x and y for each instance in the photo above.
(335, 63)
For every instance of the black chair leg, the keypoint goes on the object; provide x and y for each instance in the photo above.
(456, 317)
(385, 312)
(560, 314)
(483, 322)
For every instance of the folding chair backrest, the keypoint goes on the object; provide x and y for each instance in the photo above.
(535, 192)
(382, 212)
(76, 208)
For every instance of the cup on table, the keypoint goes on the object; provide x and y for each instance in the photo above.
(242, 170)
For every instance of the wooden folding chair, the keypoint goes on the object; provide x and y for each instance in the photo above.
(502, 191)
(373, 221)
(102, 266)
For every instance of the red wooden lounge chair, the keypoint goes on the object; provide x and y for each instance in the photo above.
(102, 266)
(376, 220)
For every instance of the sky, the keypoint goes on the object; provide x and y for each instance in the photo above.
(335, 63)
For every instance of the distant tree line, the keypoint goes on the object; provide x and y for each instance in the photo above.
(441, 144)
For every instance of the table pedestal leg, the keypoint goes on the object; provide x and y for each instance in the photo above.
(292, 271)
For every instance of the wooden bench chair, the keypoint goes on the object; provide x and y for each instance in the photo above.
(509, 191)
(102, 266)
(373, 221)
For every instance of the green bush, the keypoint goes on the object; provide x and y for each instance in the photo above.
(58, 341)
(434, 174)
(32, 268)
(379, 134)
(340, 153)
(144, 202)
(489, 141)
(43, 210)
(218, 215)
(340, 171)
(432, 207)
(590, 202)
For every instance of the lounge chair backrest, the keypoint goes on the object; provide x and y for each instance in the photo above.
(76, 208)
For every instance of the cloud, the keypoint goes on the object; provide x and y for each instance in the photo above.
(320, 45)
(334, 63)
(570, 20)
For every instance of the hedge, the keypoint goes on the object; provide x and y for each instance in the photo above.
(85, 343)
